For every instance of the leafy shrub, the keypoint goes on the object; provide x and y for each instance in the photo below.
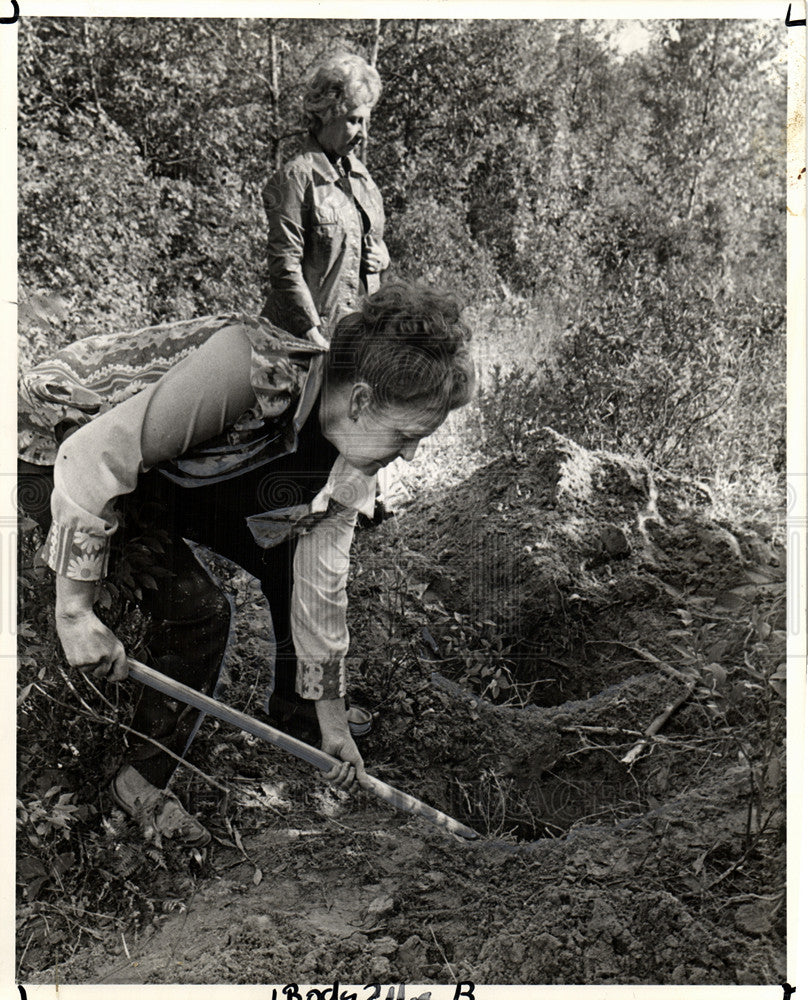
(175, 250)
(105, 261)
(75, 871)
(429, 241)
(676, 373)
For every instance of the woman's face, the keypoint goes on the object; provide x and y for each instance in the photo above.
(339, 135)
(369, 437)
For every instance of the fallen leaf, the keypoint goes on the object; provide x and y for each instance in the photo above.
(380, 906)
(718, 673)
(698, 864)
(729, 601)
(717, 651)
(778, 680)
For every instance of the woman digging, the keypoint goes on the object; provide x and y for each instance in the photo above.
(248, 419)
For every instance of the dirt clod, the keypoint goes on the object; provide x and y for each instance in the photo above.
(752, 920)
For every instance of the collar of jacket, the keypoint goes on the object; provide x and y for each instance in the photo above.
(324, 166)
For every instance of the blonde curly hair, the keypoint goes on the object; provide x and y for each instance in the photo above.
(342, 82)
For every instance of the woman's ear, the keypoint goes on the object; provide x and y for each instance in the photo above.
(360, 400)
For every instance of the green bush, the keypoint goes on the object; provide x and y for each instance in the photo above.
(663, 369)
(429, 241)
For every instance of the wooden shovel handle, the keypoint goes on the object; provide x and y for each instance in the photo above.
(312, 755)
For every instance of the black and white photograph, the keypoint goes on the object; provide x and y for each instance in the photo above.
(409, 517)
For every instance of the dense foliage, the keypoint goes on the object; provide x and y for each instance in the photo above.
(632, 199)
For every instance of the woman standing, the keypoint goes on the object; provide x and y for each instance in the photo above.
(325, 215)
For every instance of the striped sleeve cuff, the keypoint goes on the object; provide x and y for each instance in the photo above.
(321, 680)
(77, 553)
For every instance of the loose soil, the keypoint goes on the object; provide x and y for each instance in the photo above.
(516, 636)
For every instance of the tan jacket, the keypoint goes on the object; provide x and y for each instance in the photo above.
(316, 234)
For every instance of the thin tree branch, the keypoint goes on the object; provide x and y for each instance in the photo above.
(658, 723)
(98, 717)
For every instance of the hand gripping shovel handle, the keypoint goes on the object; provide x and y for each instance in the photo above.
(312, 755)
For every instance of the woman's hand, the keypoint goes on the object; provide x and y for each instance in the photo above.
(313, 334)
(375, 257)
(86, 641)
(337, 741)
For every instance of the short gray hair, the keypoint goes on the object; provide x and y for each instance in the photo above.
(342, 82)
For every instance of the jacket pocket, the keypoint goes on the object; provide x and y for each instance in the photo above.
(326, 212)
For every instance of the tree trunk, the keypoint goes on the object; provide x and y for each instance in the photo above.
(698, 153)
(374, 50)
(88, 51)
(274, 96)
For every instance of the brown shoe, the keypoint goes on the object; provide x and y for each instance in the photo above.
(158, 811)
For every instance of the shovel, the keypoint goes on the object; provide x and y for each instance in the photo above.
(181, 692)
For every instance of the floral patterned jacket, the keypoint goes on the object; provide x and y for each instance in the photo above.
(104, 386)
(90, 376)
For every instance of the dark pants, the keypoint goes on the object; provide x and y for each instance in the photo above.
(189, 616)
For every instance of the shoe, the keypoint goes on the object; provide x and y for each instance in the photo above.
(158, 811)
(299, 719)
(360, 721)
